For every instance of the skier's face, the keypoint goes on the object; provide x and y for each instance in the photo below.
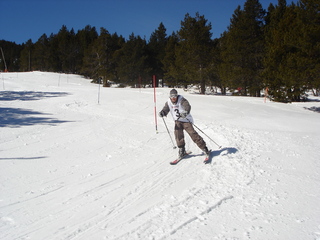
(173, 98)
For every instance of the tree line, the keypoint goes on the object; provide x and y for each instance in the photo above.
(277, 49)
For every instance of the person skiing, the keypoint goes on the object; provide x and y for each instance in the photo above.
(180, 108)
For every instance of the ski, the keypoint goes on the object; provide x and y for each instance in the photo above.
(180, 158)
(208, 159)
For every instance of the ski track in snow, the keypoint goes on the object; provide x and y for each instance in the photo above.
(75, 169)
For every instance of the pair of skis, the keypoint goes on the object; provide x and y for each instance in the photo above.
(187, 154)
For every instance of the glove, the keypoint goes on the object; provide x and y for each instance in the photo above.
(183, 115)
(162, 114)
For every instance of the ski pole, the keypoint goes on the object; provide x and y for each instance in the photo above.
(169, 133)
(205, 134)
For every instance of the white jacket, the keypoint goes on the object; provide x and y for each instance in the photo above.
(181, 106)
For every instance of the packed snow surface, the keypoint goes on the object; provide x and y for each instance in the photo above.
(78, 161)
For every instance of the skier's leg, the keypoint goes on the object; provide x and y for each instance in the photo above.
(178, 133)
(195, 136)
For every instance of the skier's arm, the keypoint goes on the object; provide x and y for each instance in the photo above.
(186, 105)
(165, 110)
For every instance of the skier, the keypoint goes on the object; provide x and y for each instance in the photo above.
(180, 108)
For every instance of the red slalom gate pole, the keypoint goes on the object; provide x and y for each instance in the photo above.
(155, 102)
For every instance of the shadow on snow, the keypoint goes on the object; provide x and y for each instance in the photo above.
(28, 95)
(17, 117)
(22, 158)
(314, 109)
(223, 151)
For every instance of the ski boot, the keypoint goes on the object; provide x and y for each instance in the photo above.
(206, 151)
(182, 152)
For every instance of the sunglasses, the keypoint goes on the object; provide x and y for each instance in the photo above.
(173, 96)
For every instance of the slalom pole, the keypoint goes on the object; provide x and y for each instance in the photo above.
(205, 134)
(174, 147)
(4, 60)
(155, 102)
(99, 91)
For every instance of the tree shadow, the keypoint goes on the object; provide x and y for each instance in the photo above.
(18, 117)
(314, 109)
(28, 95)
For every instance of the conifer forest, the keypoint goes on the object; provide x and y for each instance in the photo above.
(277, 49)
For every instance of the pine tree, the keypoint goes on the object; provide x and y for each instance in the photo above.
(132, 62)
(292, 56)
(228, 60)
(11, 53)
(41, 54)
(243, 49)
(83, 39)
(214, 69)
(171, 76)
(115, 43)
(290, 69)
(192, 56)
(309, 59)
(63, 44)
(156, 50)
(26, 56)
(98, 61)
(95, 59)
(274, 51)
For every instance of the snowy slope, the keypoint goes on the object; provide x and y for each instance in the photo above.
(71, 168)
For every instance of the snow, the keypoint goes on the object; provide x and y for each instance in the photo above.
(73, 168)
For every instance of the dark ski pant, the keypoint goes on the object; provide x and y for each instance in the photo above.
(179, 135)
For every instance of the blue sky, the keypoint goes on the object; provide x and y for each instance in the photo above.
(21, 20)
